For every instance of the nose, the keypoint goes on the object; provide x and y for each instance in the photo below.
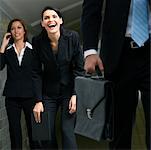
(50, 18)
(16, 30)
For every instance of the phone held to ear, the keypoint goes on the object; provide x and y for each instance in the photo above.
(8, 36)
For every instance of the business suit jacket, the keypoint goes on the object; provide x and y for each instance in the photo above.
(54, 74)
(128, 68)
(19, 79)
(114, 29)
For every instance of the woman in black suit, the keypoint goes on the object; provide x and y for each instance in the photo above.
(58, 59)
(16, 53)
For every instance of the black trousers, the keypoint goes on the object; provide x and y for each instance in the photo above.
(67, 120)
(14, 106)
(133, 74)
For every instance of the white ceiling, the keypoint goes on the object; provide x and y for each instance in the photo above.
(30, 11)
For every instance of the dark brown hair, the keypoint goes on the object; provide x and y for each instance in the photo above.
(23, 24)
(51, 8)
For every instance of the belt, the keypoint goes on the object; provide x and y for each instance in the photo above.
(132, 43)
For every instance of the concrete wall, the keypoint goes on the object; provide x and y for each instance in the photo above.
(4, 131)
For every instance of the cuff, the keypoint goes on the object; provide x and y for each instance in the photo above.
(89, 52)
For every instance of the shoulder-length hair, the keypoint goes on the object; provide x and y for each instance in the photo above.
(23, 24)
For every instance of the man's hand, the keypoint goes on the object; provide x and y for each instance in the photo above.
(72, 104)
(37, 111)
(91, 62)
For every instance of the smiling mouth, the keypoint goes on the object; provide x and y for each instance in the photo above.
(51, 26)
(17, 35)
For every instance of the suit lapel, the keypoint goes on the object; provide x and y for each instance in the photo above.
(26, 57)
(63, 48)
(116, 15)
(13, 57)
(46, 50)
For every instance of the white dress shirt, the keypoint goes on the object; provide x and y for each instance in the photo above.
(21, 54)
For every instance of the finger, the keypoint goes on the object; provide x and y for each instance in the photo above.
(100, 65)
(35, 116)
(8, 37)
(39, 117)
(73, 109)
(89, 69)
(42, 109)
(70, 104)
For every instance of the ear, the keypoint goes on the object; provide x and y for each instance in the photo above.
(42, 23)
(61, 21)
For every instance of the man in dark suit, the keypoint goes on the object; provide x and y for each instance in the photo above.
(124, 58)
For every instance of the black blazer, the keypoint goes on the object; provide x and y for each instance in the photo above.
(19, 78)
(54, 75)
(114, 29)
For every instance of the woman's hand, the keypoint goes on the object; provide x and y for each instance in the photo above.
(5, 42)
(37, 111)
(72, 104)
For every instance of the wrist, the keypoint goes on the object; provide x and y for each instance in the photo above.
(39, 102)
(2, 49)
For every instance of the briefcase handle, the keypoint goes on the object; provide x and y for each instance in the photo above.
(97, 75)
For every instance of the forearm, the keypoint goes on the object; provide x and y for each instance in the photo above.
(37, 86)
(2, 49)
(91, 23)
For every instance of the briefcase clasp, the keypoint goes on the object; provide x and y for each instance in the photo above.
(89, 113)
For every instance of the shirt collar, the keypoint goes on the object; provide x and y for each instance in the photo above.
(27, 44)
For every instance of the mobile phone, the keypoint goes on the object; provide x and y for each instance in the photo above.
(8, 36)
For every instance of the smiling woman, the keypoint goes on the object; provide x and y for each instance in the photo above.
(16, 53)
(51, 21)
(58, 51)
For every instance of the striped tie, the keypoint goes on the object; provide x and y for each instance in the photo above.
(140, 27)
